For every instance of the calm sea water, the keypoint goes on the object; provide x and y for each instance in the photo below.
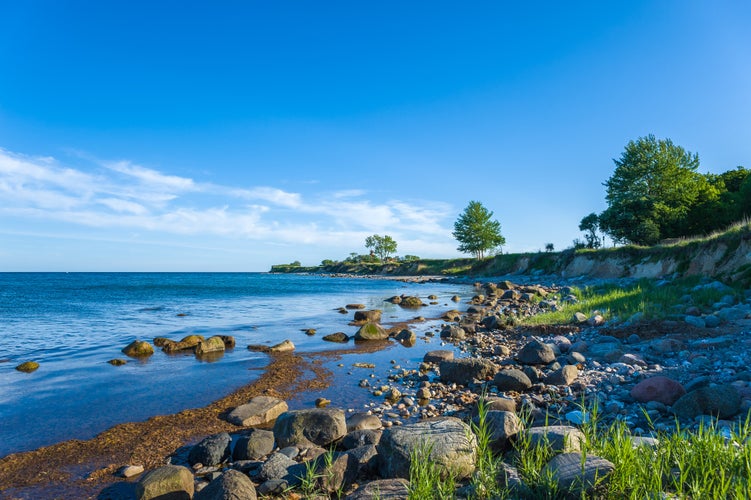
(72, 323)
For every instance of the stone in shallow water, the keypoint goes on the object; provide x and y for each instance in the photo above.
(260, 410)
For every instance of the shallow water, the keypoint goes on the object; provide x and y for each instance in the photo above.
(72, 323)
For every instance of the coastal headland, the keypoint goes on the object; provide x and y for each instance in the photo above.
(523, 386)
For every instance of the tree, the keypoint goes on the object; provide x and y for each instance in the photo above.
(549, 247)
(590, 224)
(382, 246)
(476, 232)
(649, 195)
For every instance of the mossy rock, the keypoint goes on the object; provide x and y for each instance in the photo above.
(162, 341)
(371, 331)
(411, 302)
(211, 344)
(117, 361)
(336, 337)
(138, 349)
(192, 340)
(27, 366)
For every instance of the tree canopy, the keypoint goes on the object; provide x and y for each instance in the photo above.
(476, 232)
(656, 192)
(382, 246)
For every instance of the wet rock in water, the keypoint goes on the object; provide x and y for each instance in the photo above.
(396, 299)
(256, 444)
(371, 316)
(322, 402)
(211, 344)
(722, 401)
(138, 349)
(512, 380)
(406, 337)
(128, 471)
(463, 371)
(229, 341)
(438, 356)
(355, 306)
(161, 341)
(231, 484)
(453, 447)
(28, 366)
(383, 489)
(578, 476)
(212, 450)
(117, 362)
(659, 388)
(453, 332)
(371, 331)
(258, 411)
(308, 428)
(565, 375)
(192, 340)
(536, 353)
(456, 298)
(285, 346)
(166, 482)
(411, 302)
(342, 310)
(452, 315)
(561, 438)
(340, 337)
(363, 421)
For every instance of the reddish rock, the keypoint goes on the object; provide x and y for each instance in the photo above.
(659, 388)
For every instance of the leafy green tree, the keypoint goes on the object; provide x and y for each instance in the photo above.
(590, 224)
(649, 195)
(382, 246)
(549, 247)
(476, 232)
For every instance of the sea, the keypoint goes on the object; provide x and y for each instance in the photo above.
(73, 323)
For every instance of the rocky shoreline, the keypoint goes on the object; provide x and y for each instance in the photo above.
(539, 382)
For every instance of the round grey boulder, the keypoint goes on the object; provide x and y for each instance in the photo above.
(447, 441)
(231, 485)
(213, 450)
(309, 428)
(172, 482)
(512, 380)
(536, 353)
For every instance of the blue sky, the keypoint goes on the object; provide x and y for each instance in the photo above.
(183, 136)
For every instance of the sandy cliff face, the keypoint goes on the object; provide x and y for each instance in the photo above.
(710, 259)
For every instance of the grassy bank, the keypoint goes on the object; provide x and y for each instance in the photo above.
(722, 253)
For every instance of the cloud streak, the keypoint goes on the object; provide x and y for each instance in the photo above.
(123, 195)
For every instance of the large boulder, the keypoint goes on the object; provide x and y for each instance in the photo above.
(256, 444)
(561, 438)
(438, 356)
(231, 485)
(371, 331)
(502, 425)
(169, 482)
(212, 450)
(578, 477)
(465, 370)
(138, 349)
(309, 428)
(536, 353)
(211, 344)
(663, 389)
(450, 443)
(259, 411)
(371, 316)
(512, 380)
(722, 401)
(411, 302)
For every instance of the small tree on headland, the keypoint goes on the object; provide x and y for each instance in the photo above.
(476, 232)
(549, 247)
(382, 246)
(590, 224)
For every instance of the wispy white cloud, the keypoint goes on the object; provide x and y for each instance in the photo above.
(123, 195)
